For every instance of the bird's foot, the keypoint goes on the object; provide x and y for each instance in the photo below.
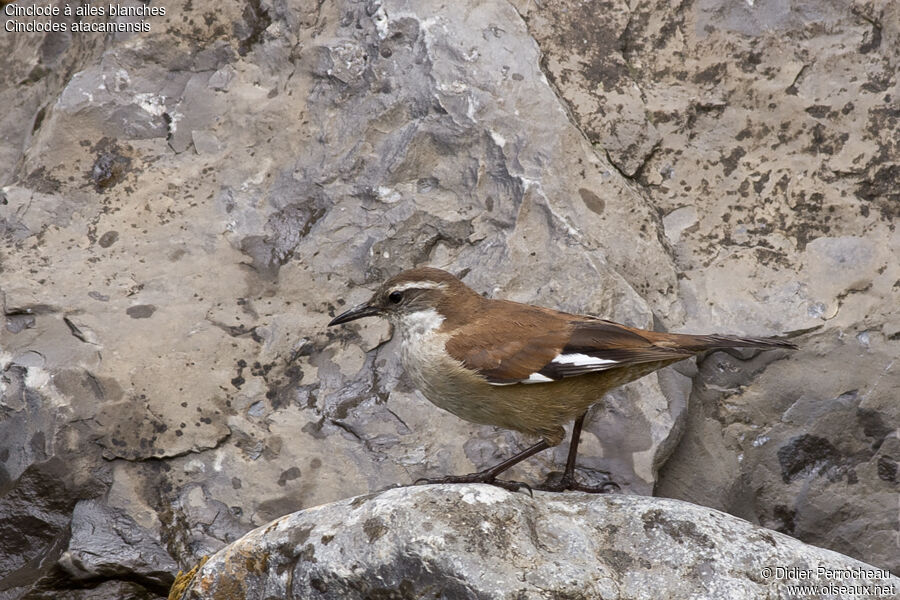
(561, 482)
(480, 477)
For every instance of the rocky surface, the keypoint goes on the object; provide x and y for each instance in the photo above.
(765, 135)
(478, 541)
(183, 210)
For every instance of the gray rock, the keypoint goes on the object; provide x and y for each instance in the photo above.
(799, 456)
(36, 507)
(177, 336)
(770, 170)
(105, 590)
(586, 60)
(183, 211)
(478, 541)
(108, 544)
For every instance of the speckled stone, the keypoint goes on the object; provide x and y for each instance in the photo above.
(477, 541)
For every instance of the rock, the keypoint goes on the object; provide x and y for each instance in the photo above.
(586, 59)
(182, 211)
(108, 544)
(771, 172)
(106, 590)
(796, 456)
(476, 541)
(36, 507)
(177, 339)
(678, 221)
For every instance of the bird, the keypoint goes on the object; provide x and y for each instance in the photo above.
(520, 367)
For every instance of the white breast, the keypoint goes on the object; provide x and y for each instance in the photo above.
(421, 347)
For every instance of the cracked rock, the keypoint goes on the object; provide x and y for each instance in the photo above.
(183, 211)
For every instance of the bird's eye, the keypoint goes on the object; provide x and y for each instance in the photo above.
(395, 297)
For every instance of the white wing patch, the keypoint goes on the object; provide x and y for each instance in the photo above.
(575, 359)
(533, 378)
(582, 360)
(536, 378)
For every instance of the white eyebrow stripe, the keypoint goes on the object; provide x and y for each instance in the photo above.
(418, 285)
(582, 360)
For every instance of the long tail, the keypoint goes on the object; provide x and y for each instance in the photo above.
(699, 343)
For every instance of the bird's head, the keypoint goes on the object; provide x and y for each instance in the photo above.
(413, 292)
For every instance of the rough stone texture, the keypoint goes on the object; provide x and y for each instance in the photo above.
(478, 541)
(108, 544)
(191, 206)
(182, 212)
(771, 152)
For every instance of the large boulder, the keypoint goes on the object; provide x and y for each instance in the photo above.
(478, 541)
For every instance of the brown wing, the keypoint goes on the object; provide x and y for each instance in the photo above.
(511, 343)
(598, 345)
(508, 347)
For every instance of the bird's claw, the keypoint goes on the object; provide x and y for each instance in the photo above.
(568, 482)
(482, 477)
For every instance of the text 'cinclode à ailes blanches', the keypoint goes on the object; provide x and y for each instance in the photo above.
(30, 19)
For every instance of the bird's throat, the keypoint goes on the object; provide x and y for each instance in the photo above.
(421, 346)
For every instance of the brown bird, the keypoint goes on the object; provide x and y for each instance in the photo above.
(517, 366)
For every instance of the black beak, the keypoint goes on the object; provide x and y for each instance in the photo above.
(363, 310)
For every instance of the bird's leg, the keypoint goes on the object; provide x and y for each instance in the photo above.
(569, 474)
(490, 475)
(568, 480)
